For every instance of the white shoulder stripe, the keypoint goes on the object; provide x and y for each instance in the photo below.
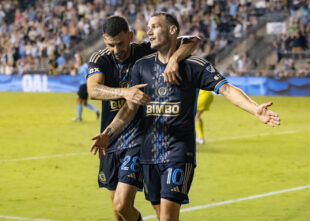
(94, 58)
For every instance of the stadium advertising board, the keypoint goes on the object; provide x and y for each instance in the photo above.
(39, 83)
(260, 86)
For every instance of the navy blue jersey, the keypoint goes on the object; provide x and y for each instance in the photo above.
(117, 75)
(168, 120)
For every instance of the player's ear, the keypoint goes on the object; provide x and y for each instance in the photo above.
(173, 29)
(131, 36)
(104, 36)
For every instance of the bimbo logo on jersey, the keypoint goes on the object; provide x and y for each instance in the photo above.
(168, 109)
(117, 104)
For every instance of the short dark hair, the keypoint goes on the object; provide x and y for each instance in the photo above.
(169, 18)
(114, 25)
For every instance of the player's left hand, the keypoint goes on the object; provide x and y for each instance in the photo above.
(100, 144)
(267, 116)
(171, 73)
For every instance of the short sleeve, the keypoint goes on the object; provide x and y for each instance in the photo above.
(97, 64)
(205, 76)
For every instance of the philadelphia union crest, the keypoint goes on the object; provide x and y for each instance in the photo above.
(162, 91)
(102, 177)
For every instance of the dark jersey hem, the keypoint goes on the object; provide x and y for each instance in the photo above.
(174, 160)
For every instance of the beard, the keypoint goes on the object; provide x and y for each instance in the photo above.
(121, 56)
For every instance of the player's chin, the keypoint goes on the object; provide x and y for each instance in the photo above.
(120, 57)
(154, 46)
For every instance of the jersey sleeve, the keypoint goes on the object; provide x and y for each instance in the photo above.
(96, 65)
(205, 76)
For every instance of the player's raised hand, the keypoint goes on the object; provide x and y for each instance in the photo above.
(267, 116)
(171, 73)
(135, 95)
(100, 144)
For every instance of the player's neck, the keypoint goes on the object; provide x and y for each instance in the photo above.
(166, 52)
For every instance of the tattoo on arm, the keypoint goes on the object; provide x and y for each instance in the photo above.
(105, 93)
(224, 88)
(123, 117)
(115, 128)
(109, 132)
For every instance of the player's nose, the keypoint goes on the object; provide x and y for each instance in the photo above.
(149, 32)
(118, 49)
(115, 50)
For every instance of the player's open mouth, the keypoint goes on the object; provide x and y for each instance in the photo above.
(152, 39)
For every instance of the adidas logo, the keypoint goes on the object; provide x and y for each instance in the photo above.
(175, 189)
(132, 175)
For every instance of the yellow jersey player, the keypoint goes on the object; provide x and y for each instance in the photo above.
(205, 98)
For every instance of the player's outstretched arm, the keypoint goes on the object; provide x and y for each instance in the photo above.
(98, 91)
(123, 117)
(240, 99)
(188, 45)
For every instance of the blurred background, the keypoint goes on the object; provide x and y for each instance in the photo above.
(244, 38)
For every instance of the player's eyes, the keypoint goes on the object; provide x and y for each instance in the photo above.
(152, 27)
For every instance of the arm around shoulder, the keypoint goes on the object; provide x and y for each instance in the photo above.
(187, 46)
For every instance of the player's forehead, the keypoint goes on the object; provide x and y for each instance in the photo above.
(117, 39)
(157, 20)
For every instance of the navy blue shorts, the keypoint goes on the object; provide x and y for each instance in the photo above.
(121, 166)
(170, 181)
(82, 92)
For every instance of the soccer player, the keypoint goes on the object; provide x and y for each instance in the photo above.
(205, 98)
(82, 92)
(109, 80)
(168, 149)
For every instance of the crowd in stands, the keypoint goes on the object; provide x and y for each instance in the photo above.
(287, 68)
(45, 31)
(290, 47)
(295, 43)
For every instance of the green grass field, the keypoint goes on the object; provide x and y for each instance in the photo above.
(242, 158)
